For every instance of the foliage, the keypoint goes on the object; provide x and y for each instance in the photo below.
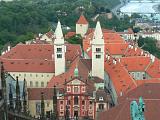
(20, 20)
(76, 39)
(149, 44)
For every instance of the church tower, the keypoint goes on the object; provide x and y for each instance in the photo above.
(82, 26)
(59, 50)
(98, 52)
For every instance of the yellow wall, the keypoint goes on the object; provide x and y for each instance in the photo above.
(32, 106)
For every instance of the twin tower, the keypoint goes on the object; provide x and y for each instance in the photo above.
(97, 51)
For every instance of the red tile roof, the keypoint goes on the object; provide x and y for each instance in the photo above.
(70, 34)
(116, 48)
(23, 57)
(151, 97)
(136, 63)
(154, 69)
(120, 77)
(82, 20)
(84, 67)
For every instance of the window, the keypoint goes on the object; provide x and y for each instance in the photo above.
(59, 49)
(69, 102)
(75, 89)
(36, 83)
(36, 75)
(83, 102)
(19, 74)
(61, 107)
(47, 75)
(31, 84)
(31, 75)
(59, 55)
(42, 84)
(98, 49)
(41, 75)
(13, 74)
(76, 100)
(24, 75)
(98, 56)
(68, 89)
(61, 113)
(101, 106)
(83, 89)
(61, 102)
(47, 104)
(90, 102)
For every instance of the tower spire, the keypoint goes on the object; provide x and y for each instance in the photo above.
(18, 102)
(24, 96)
(98, 52)
(11, 107)
(98, 31)
(98, 34)
(58, 32)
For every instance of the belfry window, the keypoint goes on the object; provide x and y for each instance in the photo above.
(59, 49)
(98, 56)
(98, 49)
(59, 55)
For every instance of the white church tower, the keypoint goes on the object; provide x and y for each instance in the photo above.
(59, 50)
(98, 52)
(82, 26)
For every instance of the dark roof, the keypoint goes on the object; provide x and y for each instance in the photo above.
(151, 96)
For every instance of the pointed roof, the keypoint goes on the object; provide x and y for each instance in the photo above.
(82, 20)
(58, 31)
(98, 34)
(98, 31)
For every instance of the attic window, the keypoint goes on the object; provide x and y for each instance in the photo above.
(27, 63)
(12, 62)
(29, 49)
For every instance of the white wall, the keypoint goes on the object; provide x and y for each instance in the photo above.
(33, 77)
(81, 29)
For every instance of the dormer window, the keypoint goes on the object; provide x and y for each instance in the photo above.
(100, 98)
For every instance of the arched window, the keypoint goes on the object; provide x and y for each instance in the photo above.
(76, 100)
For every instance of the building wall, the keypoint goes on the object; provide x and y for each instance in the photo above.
(59, 61)
(139, 75)
(98, 63)
(34, 106)
(81, 29)
(35, 80)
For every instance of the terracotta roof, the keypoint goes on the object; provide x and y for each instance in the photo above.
(154, 69)
(35, 93)
(23, 57)
(70, 34)
(135, 63)
(82, 20)
(120, 77)
(116, 48)
(82, 68)
(151, 97)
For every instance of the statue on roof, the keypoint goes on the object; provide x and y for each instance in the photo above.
(137, 110)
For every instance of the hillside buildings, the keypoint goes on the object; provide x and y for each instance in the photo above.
(86, 84)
